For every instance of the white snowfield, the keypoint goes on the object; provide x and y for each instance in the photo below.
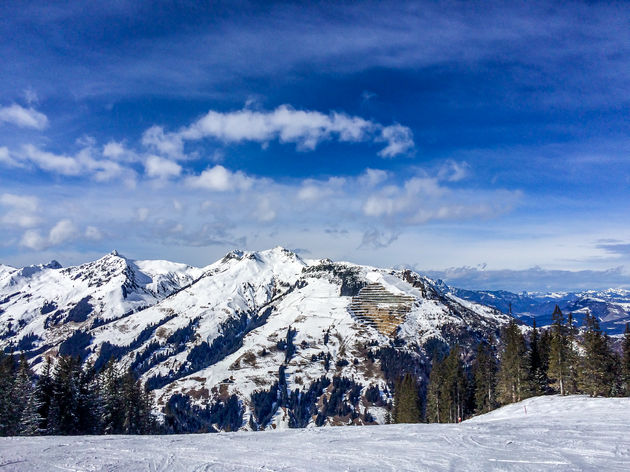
(544, 433)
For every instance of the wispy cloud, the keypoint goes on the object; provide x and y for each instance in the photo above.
(21, 210)
(617, 248)
(23, 117)
(426, 197)
(85, 163)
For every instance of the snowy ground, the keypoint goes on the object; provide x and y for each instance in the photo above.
(544, 433)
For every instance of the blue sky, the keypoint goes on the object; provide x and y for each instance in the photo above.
(464, 139)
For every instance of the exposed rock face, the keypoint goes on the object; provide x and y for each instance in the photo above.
(381, 309)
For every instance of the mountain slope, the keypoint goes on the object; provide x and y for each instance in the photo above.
(259, 325)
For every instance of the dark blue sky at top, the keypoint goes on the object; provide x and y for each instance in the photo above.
(532, 96)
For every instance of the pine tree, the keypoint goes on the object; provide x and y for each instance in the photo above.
(544, 348)
(597, 373)
(485, 377)
(513, 383)
(456, 384)
(43, 395)
(27, 404)
(63, 417)
(112, 416)
(9, 415)
(559, 352)
(134, 405)
(447, 395)
(573, 357)
(407, 401)
(89, 402)
(434, 404)
(625, 362)
(537, 360)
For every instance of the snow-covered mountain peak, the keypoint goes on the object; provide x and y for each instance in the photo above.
(250, 320)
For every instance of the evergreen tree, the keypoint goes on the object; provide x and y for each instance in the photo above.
(133, 404)
(573, 357)
(513, 383)
(26, 399)
(625, 362)
(69, 399)
(89, 406)
(434, 401)
(485, 377)
(544, 349)
(9, 414)
(597, 373)
(407, 401)
(63, 417)
(537, 368)
(559, 356)
(112, 408)
(447, 395)
(43, 395)
(455, 385)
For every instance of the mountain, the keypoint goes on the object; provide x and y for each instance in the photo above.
(295, 341)
(611, 307)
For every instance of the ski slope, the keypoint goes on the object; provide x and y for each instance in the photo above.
(544, 433)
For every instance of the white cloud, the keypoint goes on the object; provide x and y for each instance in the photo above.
(23, 117)
(265, 211)
(32, 239)
(62, 232)
(160, 168)
(83, 163)
(93, 233)
(399, 140)
(22, 210)
(372, 177)
(7, 159)
(30, 96)
(113, 150)
(220, 179)
(453, 171)
(19, 202)
(169, 144)
(65, 165)
(317, 190)
(422, 199)
(117, 151)
(306, 129)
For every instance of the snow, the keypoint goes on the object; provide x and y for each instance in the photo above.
(543, 433)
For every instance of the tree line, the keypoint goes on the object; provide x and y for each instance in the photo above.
(557, 360)
(68, 399)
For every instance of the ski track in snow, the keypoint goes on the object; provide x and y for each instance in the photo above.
(557, 433)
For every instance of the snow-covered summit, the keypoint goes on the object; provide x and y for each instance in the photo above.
(249, 321)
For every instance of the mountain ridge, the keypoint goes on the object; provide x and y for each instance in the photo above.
(266, 327)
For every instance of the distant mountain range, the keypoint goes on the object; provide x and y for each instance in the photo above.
(280, 332)
(611, 307)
